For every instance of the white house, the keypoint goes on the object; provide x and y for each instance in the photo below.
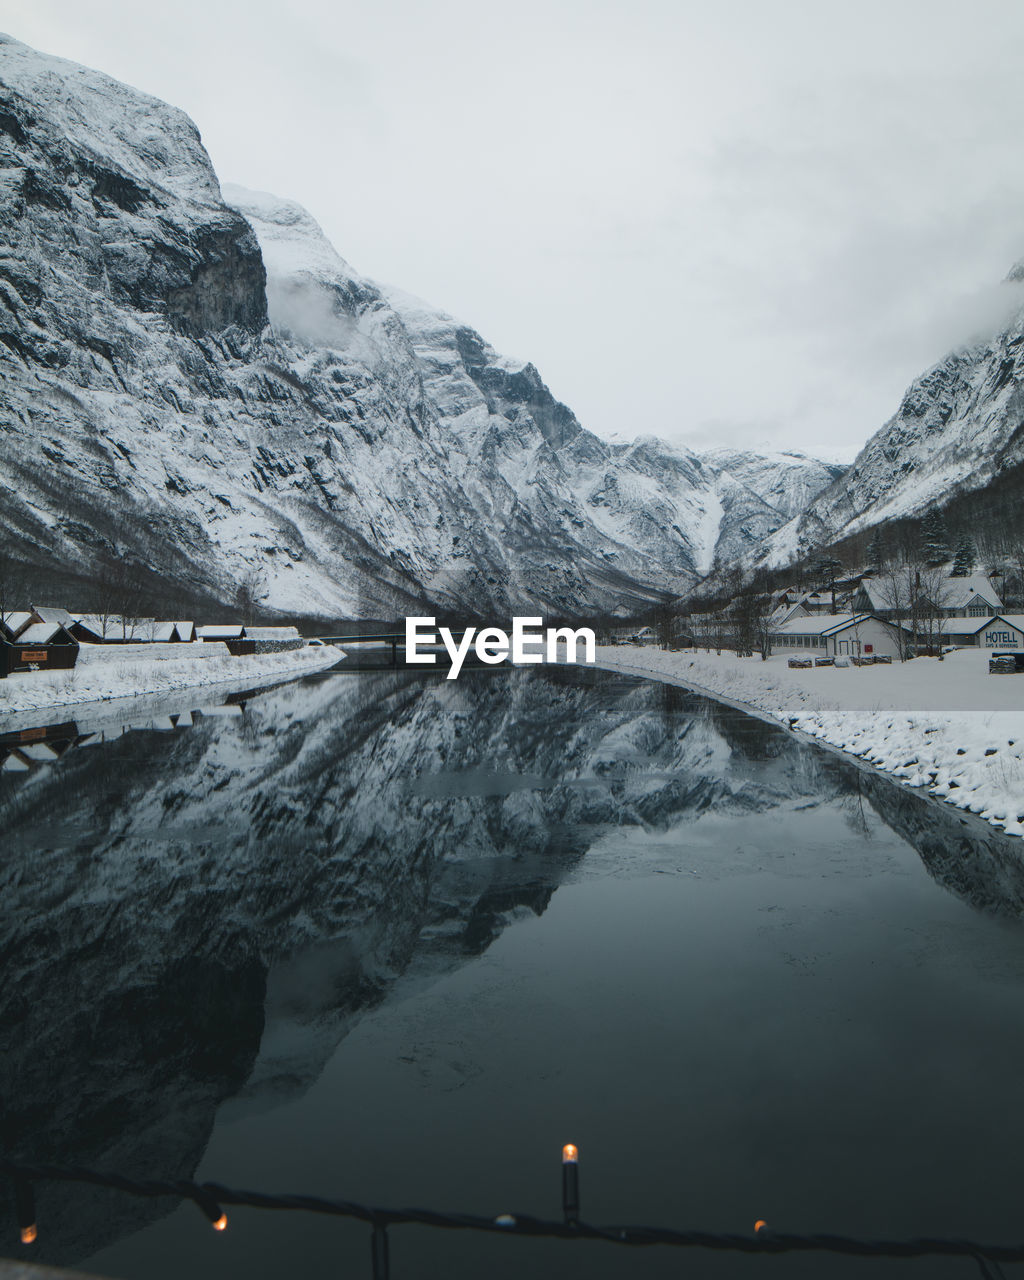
(838, 635)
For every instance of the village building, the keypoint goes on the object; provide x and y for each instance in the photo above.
(94, 628)
(786, 612)
(970, 597)
(819, 602)
(167, 632)
(1002, 631)
(851, 635)
(39, 646)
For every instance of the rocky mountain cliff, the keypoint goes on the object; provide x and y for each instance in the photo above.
(202, 386)
(959, 427)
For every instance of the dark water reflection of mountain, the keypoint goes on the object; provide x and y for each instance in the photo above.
(195, 914)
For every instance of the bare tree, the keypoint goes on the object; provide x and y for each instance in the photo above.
(250, 594)
(933, 597)
(895, 588)
(12, 585)
(119, 593)
(752, 618)
(1013, 583)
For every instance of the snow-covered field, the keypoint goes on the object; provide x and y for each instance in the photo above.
(948, 726)
(117, 676)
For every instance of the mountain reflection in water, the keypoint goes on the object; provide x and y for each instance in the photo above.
(197, 913)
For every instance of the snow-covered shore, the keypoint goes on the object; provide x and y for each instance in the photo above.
(119, 677)
(948, 727)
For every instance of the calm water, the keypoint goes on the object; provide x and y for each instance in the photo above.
(398, 939)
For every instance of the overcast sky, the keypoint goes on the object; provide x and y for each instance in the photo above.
(724, 223)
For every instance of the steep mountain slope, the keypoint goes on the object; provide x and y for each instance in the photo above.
(179, 392)
(786, 481)
(959, 426)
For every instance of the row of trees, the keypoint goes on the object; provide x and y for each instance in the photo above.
(933, 546)
(122, 592)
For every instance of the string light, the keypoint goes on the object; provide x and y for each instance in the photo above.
(207, 1195)
(379, 1252)
(25, 1210)
(571, 1184)
(764, 1232)
(213, 1211)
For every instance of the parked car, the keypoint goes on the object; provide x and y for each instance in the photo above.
(1005, 663)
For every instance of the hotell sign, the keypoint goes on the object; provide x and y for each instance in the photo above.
(1002, 639)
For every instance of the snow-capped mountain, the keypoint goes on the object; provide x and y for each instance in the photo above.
(959, 426)
(205, 387)
(786, 481)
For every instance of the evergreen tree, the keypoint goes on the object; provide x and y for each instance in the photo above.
(828, 568)
(963, 561)
(935, 537)
(876, 552)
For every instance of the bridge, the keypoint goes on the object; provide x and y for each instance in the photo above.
(395, 641)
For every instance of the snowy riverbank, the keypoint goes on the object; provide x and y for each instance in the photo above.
(948, 727)
(117, 676)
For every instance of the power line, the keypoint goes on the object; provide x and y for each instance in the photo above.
(210, 1197)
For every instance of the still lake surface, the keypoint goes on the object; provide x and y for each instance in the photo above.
(397, 939)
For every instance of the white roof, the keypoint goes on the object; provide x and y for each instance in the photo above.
(272, 633)
(39, 633)
(960, 591)
(113, 627)
(53, 614)
(971, 626)
(824, 624)
(787, 612)
(955, 593)
(15, 621)
(218, 632)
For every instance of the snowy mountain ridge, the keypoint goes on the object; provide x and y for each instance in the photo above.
(201, 384)
(959, 427)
